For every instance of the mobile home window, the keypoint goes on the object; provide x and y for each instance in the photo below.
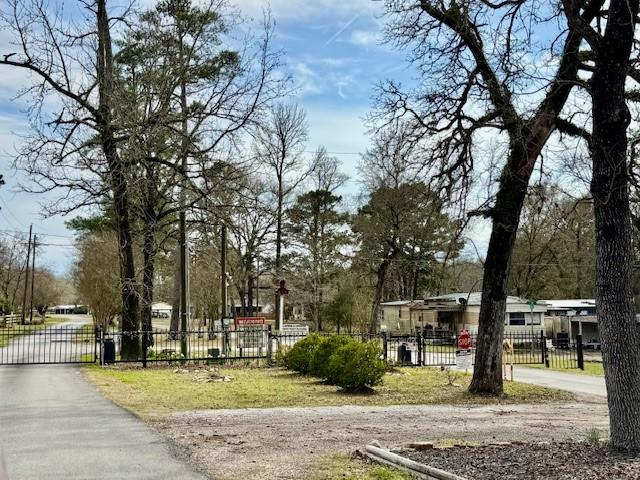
(516, 318)
(535, 319)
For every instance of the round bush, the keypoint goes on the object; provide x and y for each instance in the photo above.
(298, 358)
(319, 366)
(357, 366)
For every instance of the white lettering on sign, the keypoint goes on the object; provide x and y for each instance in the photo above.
(252, 336)
(464, 360)
(295, 329)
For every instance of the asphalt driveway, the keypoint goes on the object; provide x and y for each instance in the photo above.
(572, 382)
(54, 425)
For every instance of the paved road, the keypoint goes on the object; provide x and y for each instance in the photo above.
(572, 382)
(62, 342)
(54, 425)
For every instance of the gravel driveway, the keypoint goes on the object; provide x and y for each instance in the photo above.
(284, 443)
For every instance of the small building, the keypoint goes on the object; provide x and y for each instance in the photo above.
(396, 316)
(573, 317)
(68, 309)
(452, 312)
(161, 310)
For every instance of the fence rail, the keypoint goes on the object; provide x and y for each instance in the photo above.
(29, 344)
(433, 349)
(8, 320)
(39, 344)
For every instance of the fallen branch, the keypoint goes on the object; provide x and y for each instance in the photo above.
(386, 457)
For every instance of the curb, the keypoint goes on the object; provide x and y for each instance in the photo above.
(420, 470)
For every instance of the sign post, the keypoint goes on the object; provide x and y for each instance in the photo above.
(281, 291)
(251, 334)
(464, 360)
(532, 303)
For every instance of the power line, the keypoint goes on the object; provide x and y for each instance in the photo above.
(336, 153)
(7, 209)
(21, 232)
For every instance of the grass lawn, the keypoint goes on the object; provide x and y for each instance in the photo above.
(347, 468)
(594, 369)
(8, 333)
(160, 391)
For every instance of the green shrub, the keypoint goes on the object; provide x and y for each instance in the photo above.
(319, 366)
(299, 357)
(357, 366)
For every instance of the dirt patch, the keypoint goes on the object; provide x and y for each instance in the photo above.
(550, 461)
(287, 443)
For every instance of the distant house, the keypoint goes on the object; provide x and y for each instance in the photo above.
(452, 312)
(161, 310)
(573, 317)
(68, 309)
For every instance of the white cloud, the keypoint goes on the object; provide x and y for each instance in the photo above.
(364, 38)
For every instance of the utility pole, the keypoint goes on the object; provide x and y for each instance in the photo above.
(223, 271)
(183, 284)
(257, 286)
(26, 278)
(33, 277)
(183, 219)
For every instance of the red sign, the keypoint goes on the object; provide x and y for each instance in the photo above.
(464, 340)
(282, 290)
(240, 321)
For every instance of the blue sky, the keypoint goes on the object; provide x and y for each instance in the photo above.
(332, 50)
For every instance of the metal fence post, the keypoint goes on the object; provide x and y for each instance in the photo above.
(419, 341)
(384, 345)
(96, 340)
(579, 352)
(545, 352)
(144, 349)
(269, 347)
(101, 341)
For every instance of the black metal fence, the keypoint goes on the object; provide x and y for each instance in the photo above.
(441, 348)
(565, 354)
(37, 344)
(194, 345)
(41, 344)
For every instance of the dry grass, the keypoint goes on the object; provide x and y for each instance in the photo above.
(154, 392)
(594, 369)
(343, 467)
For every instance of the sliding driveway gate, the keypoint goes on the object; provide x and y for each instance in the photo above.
(42, 344)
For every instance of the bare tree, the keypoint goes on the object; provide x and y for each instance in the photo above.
(203, 97)
(279, 146)
(473, 84)
(12, 269)
(317, 229)
(96, 276)
(611, 50)
(75, 65)
(251, 224)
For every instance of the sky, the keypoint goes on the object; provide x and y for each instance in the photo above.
(333, 51)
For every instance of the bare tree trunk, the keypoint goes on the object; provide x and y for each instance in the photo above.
(610, 189)
(250, 290)
(319, 309)
(277, 266)
(381, 275)
(130, 303)
(148, 272)
(175, 304)
(487, 373)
